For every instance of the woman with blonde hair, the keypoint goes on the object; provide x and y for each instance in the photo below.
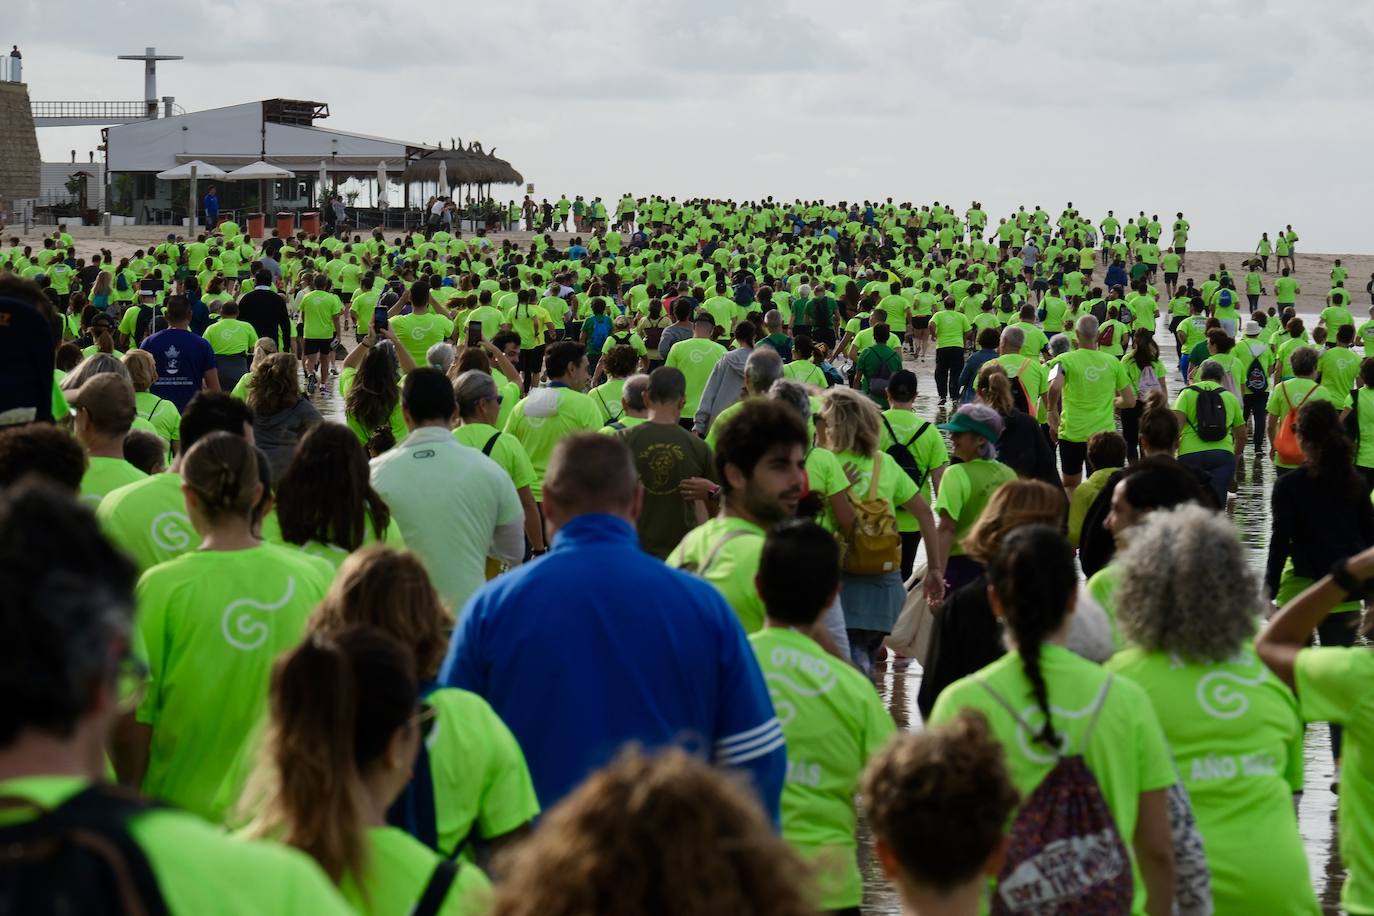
(281, 413)
(471, 792)
(849, 425)
(346, 722)
(158, 413)
(264, 348)
(663, 834)
(966, 635)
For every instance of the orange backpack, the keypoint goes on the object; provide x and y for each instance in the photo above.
(1286, 447)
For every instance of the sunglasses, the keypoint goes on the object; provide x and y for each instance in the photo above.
(424, 719)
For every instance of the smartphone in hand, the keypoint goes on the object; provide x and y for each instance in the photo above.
(474, 333)
(379, 319)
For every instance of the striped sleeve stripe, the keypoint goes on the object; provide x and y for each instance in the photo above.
(745, 756)
(744, 737)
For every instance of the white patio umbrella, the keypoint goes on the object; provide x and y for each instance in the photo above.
(382, 200)
(195, 169)
(323, 182)
(183, 171)
(443, 178)
(261, 172)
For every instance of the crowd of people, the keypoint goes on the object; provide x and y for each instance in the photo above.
(448, 574)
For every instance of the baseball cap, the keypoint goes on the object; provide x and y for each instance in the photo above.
(108, 397)
(964, 423)
(1252, 328)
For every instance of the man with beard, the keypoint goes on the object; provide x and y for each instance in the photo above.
(761, 462)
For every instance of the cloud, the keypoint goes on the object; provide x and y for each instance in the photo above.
(1238, 111)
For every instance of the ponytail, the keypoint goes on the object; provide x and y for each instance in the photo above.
(994, 388)
(1033, 576)
(326, 731)
(222, 469)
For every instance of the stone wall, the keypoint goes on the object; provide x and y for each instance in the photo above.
(19, 156)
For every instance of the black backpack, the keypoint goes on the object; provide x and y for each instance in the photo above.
(901, 453)
(1256, 379)
(882, 374)
(1210, 410)
(78, 858)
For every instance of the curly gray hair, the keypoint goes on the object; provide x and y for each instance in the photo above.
(1185, 587)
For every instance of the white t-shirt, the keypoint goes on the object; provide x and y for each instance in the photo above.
(448, 500)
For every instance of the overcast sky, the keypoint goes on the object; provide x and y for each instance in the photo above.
(1245, 114)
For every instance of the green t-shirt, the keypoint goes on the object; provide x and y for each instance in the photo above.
(606, 397)
(734, 566)
(1126, 752)
(479, 772)
(231, 337)
(1190, 440)
(210, 625)
(148, 521)
(1338, 368)
(333, 554)
(1237, 743)
(106, 474)
(1333, 686)
(873, 362)
(398, 869)
(965, 490)
(319, 309)
(397, 422)
(695, 358)
(507, 452)
(928, 449)
(834, 722)
(1291, 394)
(417, 333)
(1286, 290)
(806, 372)
(198, 868)
(1091, 380)
(950, 328)
(544, 417)
(1364, 408)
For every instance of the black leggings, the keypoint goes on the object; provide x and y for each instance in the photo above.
(949, 364)
(910, 541)
(1257, 406)
(1130, 430)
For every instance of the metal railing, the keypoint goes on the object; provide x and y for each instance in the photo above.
(115, 111)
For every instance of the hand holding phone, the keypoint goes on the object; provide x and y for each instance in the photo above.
(379, 319)
(474, 333)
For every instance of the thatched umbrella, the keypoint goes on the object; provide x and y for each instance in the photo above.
(462, 166)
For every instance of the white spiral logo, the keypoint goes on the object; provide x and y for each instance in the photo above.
(241, 629)
(1218, 690)
(697, 356)
(171, 531)
(1092, 373)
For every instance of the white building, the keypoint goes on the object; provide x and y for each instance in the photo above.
(280, 131)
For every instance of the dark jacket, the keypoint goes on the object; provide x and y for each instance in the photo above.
(1316, 522)
(1025, 449)
(265, 310)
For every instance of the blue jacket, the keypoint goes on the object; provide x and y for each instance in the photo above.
(1117, 276)
(597, 645)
